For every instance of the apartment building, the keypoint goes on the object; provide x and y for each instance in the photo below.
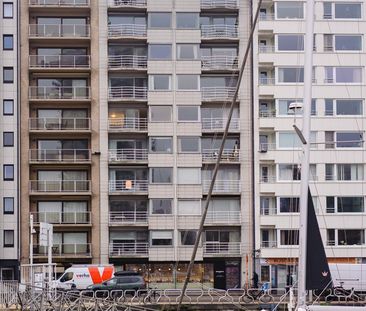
(124, 103)
(338, 116)
(9, 141)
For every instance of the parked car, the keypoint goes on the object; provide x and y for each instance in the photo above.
(121, 281)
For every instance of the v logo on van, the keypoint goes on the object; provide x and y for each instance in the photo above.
(96, 277)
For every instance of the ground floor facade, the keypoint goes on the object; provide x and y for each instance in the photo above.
(9, 270)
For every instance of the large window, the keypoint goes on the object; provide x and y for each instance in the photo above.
(347, 10)
(188, 144)
(291, 75)
(188, 237)
(8, 10)
(284, 107)
(344, 107)
(350, 204)
(187, 20)
(161, 144)
(160, 20)
(161, 238)
(289, 172)
(160, 51)
(189, 176)
(160, 82)
(344, 172)
(289, 237)
(160, 113)
(161, 206)
(348, 43)
(290, 42)
(188, 82)
(187, 51)
(189, 207)
(161, 175)
(8, 238)
(351, 237)
(290, 9)
(69, 212)
(188, 113)
(349, 139)
(291, 140)
(289, 205)
(343, 74)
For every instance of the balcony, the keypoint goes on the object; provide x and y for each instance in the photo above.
(62, 218)
(128, 186)
(266, 49)
(127, 3)
(266, 17)
(219, 62)
(129, 249)
(59, 3)
(268, 244)
(268, 211)
(59, 124)
(218, 124)
(222, 93)
(61, 92)
(267, 113)
(127, 124)
(264, 147)
(222, 186)
(228, 155)
(219, 4)
(66, 156)
(59, 186)
(223, 218)
(59, 31)
(64, 250)
(128, 155)
(221, 248)
(127, 93)
(267, 179)
(127, 62)
(128, 218)
(59, 62)
(130, 31)
(267, 81)
(226, 32)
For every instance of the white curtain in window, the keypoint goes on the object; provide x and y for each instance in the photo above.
(189, 176)
(161, 234)
(189, 207)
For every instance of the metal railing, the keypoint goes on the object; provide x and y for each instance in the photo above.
(219, 62)
(127, 62)
(59, 185)
(59, 124)
(215, 124)
(126, 3)
(267, 81)
(264, 147)
(59, 31)
(266, 211)
(127, 92)
(127, 124)
(223, 217)
(59, 155)
(62, 217)
(269, 244)
(59, 61)
(8, 293)
(228, 155)
(59, 3)
(220, 93)
(128, 185)
(125, 155)
(267, 179)
(266, 17)
(222, 186)
(64, 249)
(266, 48)
(59, 92)
(127, 30)
(128, 217)
(219, 31)
(128, 249)
(267, 113)
(221, 248)
(219, 4)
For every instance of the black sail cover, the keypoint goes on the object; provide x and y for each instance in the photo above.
(317, 269)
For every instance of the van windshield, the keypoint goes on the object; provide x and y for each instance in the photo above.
(67, 277)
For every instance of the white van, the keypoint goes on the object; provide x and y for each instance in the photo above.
(349, 276)
(79, 277)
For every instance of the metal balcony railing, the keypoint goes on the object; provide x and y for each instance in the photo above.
(219, 62)
(128, 218)
(219, 31)
(266, 17)
(59, 3)
(59, 185)
(65, 249)
(219, 4)
(59, 92)
(127, 62)
(126, 155)
(129, 249)
(267, 179)
(59, 155)
(59, 61)
(127, 92)
(59, 124)
(264, 147)
(126, 3)
(222, 248)
(266, 48)
(267, 113)
(62, 217)
(266, 211)
(127, 124)
(127, 30)
(267, 81)
(223, 93)
(269, 244)
(59, 31)
(218, 124)
(224, 217)
(228, 155)
(222, 186)
(128, 186)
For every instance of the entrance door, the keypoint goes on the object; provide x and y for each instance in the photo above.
(219, 275)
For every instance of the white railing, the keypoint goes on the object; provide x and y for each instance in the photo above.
(59, 185)
(267, 179)
(222, 186)
(59, 61)
(65, 249)
(125, 155)
(216, 124)
(228, 155)
(59, 124)
(128, 249)
(127, 30)
(127, 62)
(62, 217)
(126, 3)
(267, 81)
(59, 3)
(217, 62)
(266, 17)
(266, 48)
(128, 217)
(269, 244)
(127, 92)
(266, 211)
(221, 248)
(267, 113)
(9, 291)
(219, 4)
(127, 124)
(128, 185)
(219, 31)
(59, 155)
(223, 217)
(219, 93)
(264, 147)
(59, 31)
(59, 92)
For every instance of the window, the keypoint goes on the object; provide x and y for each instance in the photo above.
(161, 206)
(7, 10)
(8, 74)
(188, 82)
(161, 175)
(161, 144)
(284, 104)
(289, 172)
(188, 237)
(160, 51)
(349, 172)
(188, 144)
(160, 82)
(189, 176)
(160, 20)
(291, 75)
(291, 140)
(289, 237)
(348, 43)
(187, 51)
(290, 9)
(289, 205)
(161, 238)
(189, 207)
(343, 74)
(349, 140)
(8, 238)
(67, 277)
(290, 42)
(349, 107)
(8, 42)
(351, 237)
(160, 113)
(8, 171)
(347, 10)
(188, 113)
(187, 20)
(8, 139)
(8, 107)
(8, 204)
(350, 204)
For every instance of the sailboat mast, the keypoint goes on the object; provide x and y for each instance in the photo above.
(308, 80)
